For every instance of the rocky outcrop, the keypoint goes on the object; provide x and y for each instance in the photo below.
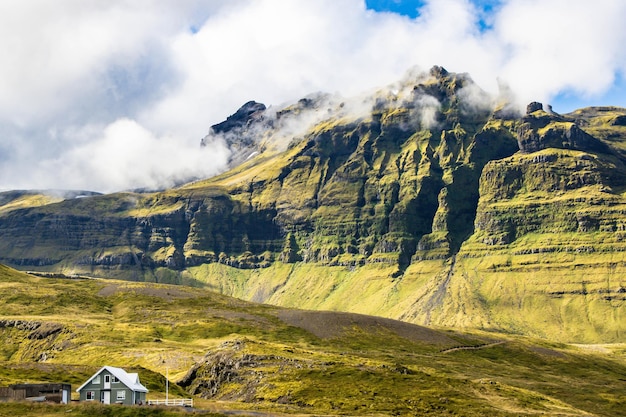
(39, 341)
(241, 131)
(619, 121)
(562, 136)
(533, 107)
(231, 365)
(246, 115)
(207, 377)
(541, 130)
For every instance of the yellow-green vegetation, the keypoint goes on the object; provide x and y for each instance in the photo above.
(259, 168)
(567, 296)
(430, 209)
(554, 126)
(27, 200)
(607, 123)
(263, 358)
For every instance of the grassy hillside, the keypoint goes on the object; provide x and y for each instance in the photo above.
(564, 296)
(259, 357)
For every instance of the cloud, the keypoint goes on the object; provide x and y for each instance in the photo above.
(557, 45)
(125, 155)
(60, 53)
(115, 95)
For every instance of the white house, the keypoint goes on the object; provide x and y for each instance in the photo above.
(113, 385)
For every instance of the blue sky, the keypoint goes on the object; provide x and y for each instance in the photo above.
(115, 95)
(407, 8)
(410, 7)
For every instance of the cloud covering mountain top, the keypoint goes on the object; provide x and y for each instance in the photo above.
(116, 95)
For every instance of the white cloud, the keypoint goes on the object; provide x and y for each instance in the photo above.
(117, 94)
(550, 46)
(126, 155)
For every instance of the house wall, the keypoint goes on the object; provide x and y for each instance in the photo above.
(116, 388)
(8, 394)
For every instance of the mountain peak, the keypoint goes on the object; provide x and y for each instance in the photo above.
(249, 113)
(438, 72)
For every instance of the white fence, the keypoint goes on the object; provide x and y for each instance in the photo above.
(180, 402)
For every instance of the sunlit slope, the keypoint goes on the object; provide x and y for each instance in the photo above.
(565, 297)
(546, 257)
(268, 358)
(18, 199)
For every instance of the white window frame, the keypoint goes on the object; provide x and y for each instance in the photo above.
(91, 394)
(114, 379)
(120, 395)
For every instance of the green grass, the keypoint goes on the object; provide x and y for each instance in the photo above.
(288, 361)
(28, 200)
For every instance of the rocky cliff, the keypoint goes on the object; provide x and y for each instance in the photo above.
(427, 201)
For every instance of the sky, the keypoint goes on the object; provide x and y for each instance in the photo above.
(115, 95)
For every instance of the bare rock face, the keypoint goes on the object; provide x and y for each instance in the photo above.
(244, 116)
(533, 107)
(231, 373)
(240, 131)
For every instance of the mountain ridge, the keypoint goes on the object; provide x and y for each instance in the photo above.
(428, 199)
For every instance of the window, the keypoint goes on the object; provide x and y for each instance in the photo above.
(96, 380)
(121, 395)
(115, 379)
(91, 395)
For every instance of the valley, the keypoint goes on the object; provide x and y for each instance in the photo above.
(235, 355)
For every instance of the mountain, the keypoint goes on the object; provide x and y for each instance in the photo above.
(427, 201)
(234, 355)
